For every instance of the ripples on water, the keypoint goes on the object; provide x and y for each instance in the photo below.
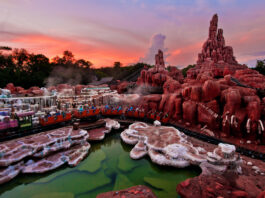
(108, 167)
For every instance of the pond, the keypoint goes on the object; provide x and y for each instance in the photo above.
(108, 167)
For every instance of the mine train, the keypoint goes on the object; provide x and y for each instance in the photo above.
(23, 121)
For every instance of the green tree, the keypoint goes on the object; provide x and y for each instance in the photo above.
(20, 57)
(40, 68)
(260, 66)
(184, 70)
(83, 63)
(5, 48)
(117, 65)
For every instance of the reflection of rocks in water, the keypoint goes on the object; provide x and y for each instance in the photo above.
(111, 167)
(125, 163)
(126, 147)
(93, 162)
(121, 182)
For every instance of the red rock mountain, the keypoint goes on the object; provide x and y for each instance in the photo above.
(215, 58)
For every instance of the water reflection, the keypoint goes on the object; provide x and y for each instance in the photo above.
(108, 167)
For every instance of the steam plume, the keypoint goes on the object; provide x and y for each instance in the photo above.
(157, 42)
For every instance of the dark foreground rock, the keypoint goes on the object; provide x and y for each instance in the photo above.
(132, 192)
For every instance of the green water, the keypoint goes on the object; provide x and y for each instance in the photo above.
(108, 167)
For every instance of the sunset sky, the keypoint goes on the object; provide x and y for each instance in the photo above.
(104, 31)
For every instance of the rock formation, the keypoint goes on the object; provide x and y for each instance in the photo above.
(216, 57)
(99, 133)
(164, 145)
(159, 77)
(225, 176)
(159, 61)
(48, 150)
(224, 173)
(132, 192)
(168, 146)
(211, 95)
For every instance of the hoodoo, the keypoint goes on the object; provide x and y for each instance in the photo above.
(215, 57)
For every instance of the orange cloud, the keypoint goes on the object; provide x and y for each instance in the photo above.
(98, 52)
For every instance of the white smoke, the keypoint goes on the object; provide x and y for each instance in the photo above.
(61, 75)
(157, 42)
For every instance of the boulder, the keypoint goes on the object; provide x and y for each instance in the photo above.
(178, 108)
(122, 87)
(186, 91)
(176, 74)
(152, 106)
(210, 90)
(261, 195)
(20, 90)
(169, 107)
(232, 99)
(11, 88)
(249, 99)
(171, 85)
(253, 110)
(163, 102)
(189, 111)
(239, 194)
(196, 93)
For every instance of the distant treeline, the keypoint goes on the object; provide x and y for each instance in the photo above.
(25, 69)
(28, 69)
(118, 72)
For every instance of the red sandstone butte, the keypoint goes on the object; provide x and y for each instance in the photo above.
(210, 96)
(215, 57)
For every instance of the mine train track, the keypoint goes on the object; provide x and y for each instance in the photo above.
(123, 120)
(260, 91)
(238, 83)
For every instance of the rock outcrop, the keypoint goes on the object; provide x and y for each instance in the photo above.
(168, 146)
(159, 77)
(223, 172)
(48, 150)
(215, 58)
(218, 93)
(132, 192)
(164, 145)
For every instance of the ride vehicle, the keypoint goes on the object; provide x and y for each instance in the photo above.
(7, 123)
(55, 119)
(24, 119)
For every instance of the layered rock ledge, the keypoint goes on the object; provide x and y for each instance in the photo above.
(132, 192)
(47, 151)
(224, 172)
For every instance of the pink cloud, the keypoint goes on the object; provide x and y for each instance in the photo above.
(98, 54)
